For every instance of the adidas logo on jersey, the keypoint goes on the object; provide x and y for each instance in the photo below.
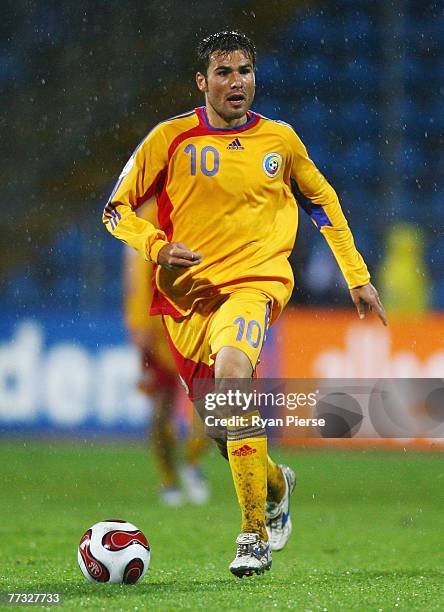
(236, 145)
(244, 450)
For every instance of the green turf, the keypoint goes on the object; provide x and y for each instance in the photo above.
(368, 531)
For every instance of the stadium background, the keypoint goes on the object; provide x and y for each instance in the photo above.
(360, 81)
(81, 83)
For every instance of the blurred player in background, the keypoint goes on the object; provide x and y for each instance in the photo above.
(403, 276)
(222, 178)
(159, 381)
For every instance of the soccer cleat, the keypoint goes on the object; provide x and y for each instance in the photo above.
(277, 514)
(195, 485)
(253, 556)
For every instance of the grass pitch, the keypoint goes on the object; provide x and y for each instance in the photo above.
(368, 530)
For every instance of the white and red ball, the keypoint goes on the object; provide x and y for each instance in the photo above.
(114, 551)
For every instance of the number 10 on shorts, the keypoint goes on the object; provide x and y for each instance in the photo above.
(253, 333)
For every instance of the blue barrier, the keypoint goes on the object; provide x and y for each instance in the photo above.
(69, 375)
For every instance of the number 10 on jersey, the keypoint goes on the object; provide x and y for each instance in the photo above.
(209, 160)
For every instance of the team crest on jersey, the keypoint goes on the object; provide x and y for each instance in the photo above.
(272, 164)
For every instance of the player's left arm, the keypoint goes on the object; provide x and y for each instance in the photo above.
(320, 201)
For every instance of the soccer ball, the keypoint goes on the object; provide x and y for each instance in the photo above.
(114, 551)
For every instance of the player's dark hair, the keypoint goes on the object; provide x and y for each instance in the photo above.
(225, 41)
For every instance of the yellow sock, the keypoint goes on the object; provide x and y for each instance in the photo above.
(247, 454)
(275, 481)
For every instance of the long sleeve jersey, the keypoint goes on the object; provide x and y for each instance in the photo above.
(226, 194)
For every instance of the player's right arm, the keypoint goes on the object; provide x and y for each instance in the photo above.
(142, 176)
(138, 181)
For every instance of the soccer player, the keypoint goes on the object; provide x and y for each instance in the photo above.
(159, 382)
(222, 176)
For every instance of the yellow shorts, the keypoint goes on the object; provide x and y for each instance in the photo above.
(240, 320)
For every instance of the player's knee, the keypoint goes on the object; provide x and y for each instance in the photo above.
(232, 363)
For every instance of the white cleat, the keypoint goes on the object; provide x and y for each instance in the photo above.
(277, 514)
(253, 556)
(195, 485)
(171, 496)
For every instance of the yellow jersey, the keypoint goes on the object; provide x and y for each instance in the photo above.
(226, 194)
